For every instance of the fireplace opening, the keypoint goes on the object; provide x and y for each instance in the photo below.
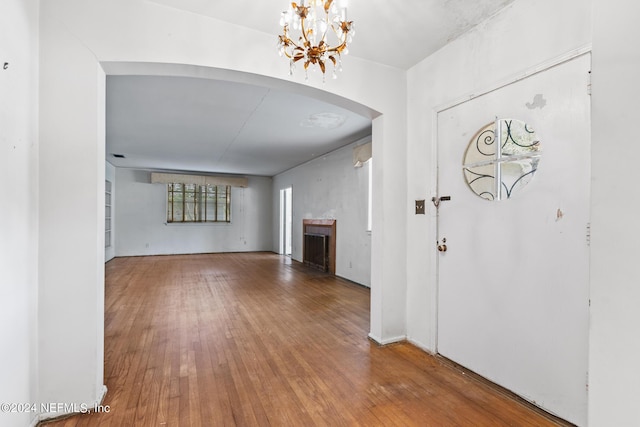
(319, 244)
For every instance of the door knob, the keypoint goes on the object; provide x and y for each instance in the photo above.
(442, 247)
(436, 200)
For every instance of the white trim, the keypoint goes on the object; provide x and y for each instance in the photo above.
(433, 229)
(421, 346)
(584, 50)
(387, 341)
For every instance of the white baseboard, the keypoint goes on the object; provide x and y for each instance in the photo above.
(421, 346)
(387, 341)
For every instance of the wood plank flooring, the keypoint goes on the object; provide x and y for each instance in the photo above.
(257, 340)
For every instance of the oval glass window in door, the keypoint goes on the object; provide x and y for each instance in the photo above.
(501, 159)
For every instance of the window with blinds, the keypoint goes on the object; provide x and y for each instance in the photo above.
(188, 203)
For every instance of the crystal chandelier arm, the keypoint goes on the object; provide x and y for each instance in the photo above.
(345, 28)
(302, 13)
(286, 41)
(312, 46)
(327, 11)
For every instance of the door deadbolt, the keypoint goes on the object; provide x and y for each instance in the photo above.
(442, 247)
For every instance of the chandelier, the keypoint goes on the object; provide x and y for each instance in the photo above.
(324, 34)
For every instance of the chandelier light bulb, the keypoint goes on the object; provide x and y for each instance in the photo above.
(284, 18)
(323, 26)
(322, 34)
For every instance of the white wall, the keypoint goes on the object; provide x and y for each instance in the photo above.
(18, 215)
(110, 175)
(76, 34)
(614, 377)
(71, 208)
(141, 216)
(329, 187)
(525, 34)
(117, 31)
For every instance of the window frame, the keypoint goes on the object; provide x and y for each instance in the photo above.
(196, 204)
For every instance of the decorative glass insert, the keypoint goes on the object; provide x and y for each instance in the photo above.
(498, 173)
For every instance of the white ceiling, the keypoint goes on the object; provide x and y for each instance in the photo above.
(399, 33)
(204, 125)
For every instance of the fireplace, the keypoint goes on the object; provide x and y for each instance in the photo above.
(319, 244)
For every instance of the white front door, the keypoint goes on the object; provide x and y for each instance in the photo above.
(513, 298)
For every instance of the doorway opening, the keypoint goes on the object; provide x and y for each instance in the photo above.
(286, 219)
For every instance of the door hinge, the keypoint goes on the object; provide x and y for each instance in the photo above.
(589, 84)
(588, 234)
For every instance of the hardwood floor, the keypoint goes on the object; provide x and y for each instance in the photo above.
(256, 340)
